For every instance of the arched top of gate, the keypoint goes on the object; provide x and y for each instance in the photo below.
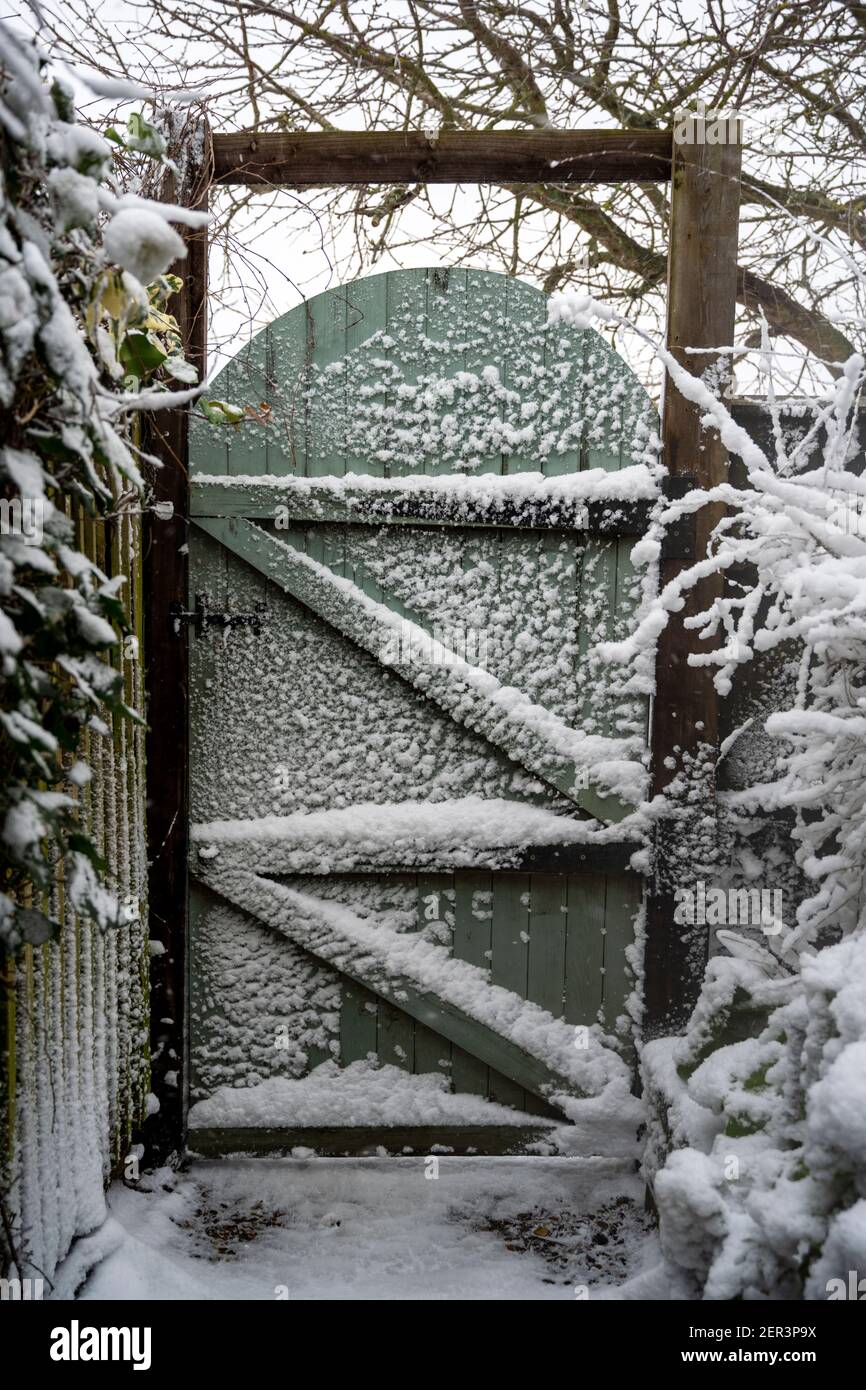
(425, 372)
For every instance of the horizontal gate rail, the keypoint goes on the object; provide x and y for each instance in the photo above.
(576, 859)
(548, 859)
(360, 1141)
(312, 159)
(213, 496)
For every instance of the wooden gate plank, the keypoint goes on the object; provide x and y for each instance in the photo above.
(585, 947)
(341, 606)
(285, 437)
(432, 1052)
(359, 1013)
(396, 1040)
(474, 1036)
(509, 964)
(485, 304)
(446, 302)
(547, 922)
(326, 410)
(245, 379)
(547, 937)
(509, 959)
(473, 893)
(521, 310)
(623, 900)
(366, 315)
(435, 905)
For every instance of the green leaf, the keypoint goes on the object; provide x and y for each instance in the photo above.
(112, 608)
(758, 1079)
(144, 137)
(741, 1126)
(181, 370)
(34, 926)
(221, 413)
(81, 844)
(63, 103)
(140, 354)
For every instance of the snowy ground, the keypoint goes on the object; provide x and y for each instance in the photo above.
(507, 1228)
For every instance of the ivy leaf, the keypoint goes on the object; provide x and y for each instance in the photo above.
(80, 844)
(143, 137)
(163, 288)
(158, 322)
(63, 102)
(112, 608)
(140, 354)
(181, 370)
(114, 298)
(34, 926)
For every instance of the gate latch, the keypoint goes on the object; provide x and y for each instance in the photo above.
(203, 617)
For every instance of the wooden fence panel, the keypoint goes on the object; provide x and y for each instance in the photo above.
(76, 1010)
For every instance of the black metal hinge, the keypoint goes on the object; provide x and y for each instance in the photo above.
(203, 617)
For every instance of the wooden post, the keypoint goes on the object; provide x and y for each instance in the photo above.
(167, 680)
(702, 285)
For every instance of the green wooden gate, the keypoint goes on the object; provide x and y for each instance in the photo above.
(407, 765)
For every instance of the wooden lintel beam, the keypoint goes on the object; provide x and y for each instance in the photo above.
(310, 159)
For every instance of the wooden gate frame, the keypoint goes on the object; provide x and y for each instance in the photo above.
(701, 302)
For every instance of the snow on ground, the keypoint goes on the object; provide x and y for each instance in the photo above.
(377, 1229)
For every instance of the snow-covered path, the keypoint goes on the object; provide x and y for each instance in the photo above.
(525, 1228)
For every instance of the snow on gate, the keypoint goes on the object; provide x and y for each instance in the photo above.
(401, 855)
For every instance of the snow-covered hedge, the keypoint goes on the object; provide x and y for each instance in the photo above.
(762, 1192)
(757, 1136)
(83, 329)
